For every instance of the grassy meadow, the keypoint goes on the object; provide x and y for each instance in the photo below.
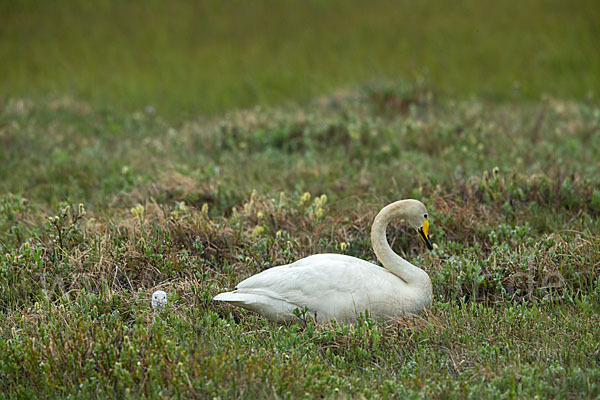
(189, 57)
(267, 141)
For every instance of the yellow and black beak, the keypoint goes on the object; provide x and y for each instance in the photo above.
(424, 232)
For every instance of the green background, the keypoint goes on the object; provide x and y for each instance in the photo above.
(209, 56)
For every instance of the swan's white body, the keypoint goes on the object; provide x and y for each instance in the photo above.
(340, 287)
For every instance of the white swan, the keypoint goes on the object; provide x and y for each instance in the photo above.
(336, 286)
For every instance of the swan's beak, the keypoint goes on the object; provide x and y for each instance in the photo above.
(424, 232)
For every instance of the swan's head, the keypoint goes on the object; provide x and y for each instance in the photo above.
(415, 214)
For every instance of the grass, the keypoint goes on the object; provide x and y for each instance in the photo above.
(209, 57)
(193, 207)
(184, 147)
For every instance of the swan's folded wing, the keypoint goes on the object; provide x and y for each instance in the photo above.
(310, 275)
(326, 282)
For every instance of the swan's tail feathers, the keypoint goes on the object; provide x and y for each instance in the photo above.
(272, 307)
(236, 298)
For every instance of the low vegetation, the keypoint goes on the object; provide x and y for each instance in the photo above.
(100, 207)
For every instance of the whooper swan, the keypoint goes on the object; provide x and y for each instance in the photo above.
(340, 287)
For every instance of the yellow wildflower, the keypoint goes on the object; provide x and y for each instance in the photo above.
(319, 213)
(305, 198)
(138, 210)
(258, 230)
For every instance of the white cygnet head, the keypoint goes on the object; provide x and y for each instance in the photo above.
(159, 299)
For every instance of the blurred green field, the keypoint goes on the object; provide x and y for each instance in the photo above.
(190, 57)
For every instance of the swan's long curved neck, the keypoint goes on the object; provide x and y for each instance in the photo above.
(393, 262)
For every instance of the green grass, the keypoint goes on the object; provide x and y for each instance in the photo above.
(104, 200)
(192, 208)
(191, 57)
